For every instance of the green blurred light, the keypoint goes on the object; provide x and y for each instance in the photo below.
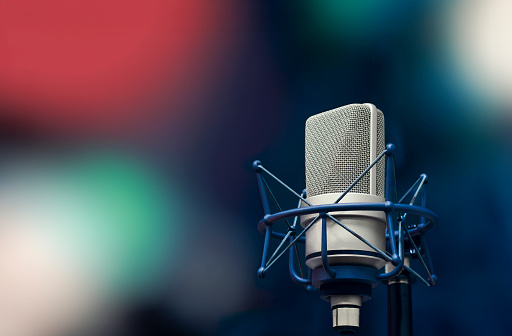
(344, 24)
(344, 19)
(127, 233)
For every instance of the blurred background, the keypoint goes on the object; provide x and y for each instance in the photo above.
(128, 205)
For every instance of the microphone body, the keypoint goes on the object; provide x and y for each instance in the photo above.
(340, 145)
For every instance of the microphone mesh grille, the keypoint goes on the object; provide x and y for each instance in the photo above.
(338, 150)
(381, 165)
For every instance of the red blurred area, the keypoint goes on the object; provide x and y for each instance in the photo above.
(81, 66)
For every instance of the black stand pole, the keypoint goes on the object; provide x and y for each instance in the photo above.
(400, 306)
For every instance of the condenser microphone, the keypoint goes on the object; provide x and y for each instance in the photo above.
(339, 145)
(350, 223)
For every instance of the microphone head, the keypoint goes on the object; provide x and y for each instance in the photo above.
(340, 145)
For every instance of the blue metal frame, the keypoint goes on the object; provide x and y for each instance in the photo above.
(395, 214)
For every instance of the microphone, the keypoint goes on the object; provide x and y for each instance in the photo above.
(340, 144)
(350, 222)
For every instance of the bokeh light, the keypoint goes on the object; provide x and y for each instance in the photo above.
(349, 24)
(479, 37)
(80, 233)
(106, 66)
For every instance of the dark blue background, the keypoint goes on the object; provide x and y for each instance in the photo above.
(285, 61)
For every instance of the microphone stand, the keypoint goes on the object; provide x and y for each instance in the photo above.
(400, 304)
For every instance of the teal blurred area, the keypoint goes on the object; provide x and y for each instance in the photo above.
(128, 204)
